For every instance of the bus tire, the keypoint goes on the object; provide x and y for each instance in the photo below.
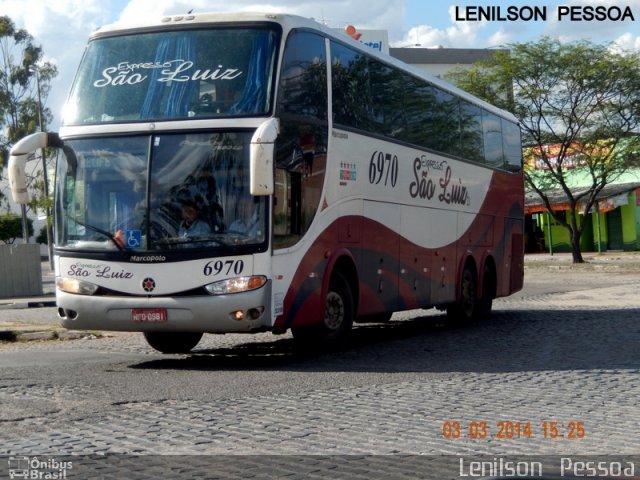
(337, 322)
(485, 302)
(173, 342)
(463, 310)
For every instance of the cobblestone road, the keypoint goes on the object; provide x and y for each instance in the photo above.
(565, 350)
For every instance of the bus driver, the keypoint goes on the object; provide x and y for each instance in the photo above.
(191, 226)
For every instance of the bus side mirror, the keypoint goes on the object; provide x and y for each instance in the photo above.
(261, 158)
(18, 157)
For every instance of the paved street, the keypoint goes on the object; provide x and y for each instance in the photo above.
(554, 372)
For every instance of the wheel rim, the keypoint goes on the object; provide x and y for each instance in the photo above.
(334, 311)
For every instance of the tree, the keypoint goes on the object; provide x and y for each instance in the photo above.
(42, 237)
(582, 99)
(20, 106)
(11, 228)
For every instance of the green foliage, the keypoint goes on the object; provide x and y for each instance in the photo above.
(11, 228)
(42, 236)
(580, 97)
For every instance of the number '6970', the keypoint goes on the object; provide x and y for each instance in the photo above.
(383, 169)
(223, 267)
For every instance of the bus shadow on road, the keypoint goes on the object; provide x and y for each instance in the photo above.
(511, 340)
(286, 352)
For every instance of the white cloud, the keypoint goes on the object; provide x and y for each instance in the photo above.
(459, 34)
(502, 37)
(627, 42)
(566, 30)
(55, 21)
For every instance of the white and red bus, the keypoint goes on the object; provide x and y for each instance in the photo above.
(245, 173)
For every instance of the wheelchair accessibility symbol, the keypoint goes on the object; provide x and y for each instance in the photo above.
(133, 238)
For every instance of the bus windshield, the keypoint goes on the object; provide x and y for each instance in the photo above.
(160, 192)
(217, 72)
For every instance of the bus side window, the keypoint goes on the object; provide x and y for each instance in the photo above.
(511, 146)
(492, 135)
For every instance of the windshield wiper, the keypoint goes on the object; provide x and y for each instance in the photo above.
(97, 230)
(224, 243)
(180, 241)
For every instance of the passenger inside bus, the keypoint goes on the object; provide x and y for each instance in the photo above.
(247, 221)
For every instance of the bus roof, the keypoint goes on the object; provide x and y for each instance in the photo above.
(290, 22)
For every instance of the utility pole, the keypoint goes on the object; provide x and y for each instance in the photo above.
(44, 174)
(25, 224)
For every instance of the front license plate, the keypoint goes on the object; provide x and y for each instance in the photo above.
(149, 315)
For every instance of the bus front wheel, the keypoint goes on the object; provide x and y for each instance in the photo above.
(336, 325)
(173, 342)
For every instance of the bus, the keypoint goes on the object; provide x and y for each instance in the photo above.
(263, 172)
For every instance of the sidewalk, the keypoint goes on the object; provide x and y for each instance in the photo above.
(47, 299)
(613, 261)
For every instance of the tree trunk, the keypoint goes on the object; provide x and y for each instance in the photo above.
(575, 246)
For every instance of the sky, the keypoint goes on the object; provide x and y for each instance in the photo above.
(62, 27)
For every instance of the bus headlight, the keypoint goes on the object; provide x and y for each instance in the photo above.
(73, 285)
(236, 285)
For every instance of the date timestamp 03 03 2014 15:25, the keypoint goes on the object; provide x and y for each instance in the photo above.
(573, 430)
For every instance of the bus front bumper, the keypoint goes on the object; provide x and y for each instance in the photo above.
(238, 312)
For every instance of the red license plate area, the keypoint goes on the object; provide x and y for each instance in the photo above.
(149, 315)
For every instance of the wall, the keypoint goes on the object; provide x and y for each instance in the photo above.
(629, 223)
(20, 271)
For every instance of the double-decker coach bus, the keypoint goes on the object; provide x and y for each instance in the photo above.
(258, 172)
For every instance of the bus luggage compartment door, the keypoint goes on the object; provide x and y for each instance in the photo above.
(379, 262)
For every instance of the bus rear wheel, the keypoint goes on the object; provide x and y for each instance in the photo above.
(464, 309)
(336, 326)
(485, 302)
(173, 342)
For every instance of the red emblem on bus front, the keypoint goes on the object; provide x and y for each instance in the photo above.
(148, 284)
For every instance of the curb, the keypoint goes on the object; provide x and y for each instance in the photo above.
(17, 335)
(24, 332)
(25, 303)
(21, 331)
